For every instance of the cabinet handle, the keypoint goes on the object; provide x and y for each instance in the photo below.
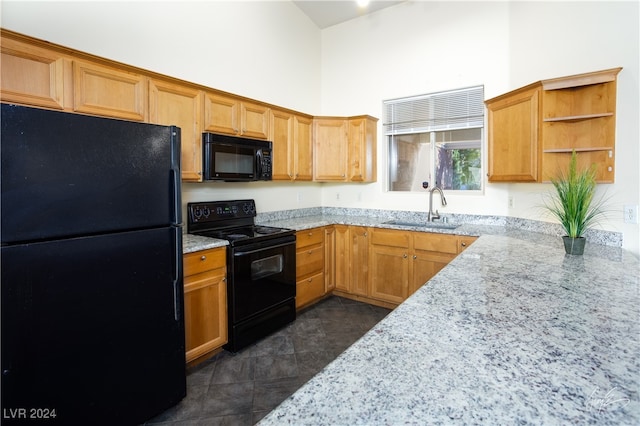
(415, 257)
(405, 256)
(309, 252)
(203, 257)
(224, 279)
(463, 244)
(309, 280)
(365, 234)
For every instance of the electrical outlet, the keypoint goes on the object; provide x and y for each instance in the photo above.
(337, 195)
(511, 203)
(300, 197)
(630, 213)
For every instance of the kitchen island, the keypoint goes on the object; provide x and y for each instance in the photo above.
(512, 331)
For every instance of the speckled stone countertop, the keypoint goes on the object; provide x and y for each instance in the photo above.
(192, 243)
(512, 331)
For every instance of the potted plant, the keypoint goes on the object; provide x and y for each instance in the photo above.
(573, 203)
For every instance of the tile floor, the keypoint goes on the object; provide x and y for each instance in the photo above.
(240, 389)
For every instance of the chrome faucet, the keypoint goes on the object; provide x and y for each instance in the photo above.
(433, 216)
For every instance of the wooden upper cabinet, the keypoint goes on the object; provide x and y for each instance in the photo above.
(229, 115)
(178, 105)
(330, 149)
(32, 75)
(344, 149)
(109, 92)
(533, 130)
(303, 147)
(292, 150)
(513, 137)
(283, 145)
(362, 149)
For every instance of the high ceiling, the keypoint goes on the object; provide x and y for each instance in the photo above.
(327, 13)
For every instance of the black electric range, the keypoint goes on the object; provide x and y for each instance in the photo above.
(261, 268)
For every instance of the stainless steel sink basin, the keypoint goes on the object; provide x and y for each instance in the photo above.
(439, 225)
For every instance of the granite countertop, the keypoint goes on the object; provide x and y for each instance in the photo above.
(512, 331)
(192, 243)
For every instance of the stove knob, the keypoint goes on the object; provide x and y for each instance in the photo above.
(197, 213)
(205, 211)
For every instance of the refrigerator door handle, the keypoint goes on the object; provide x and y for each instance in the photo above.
(176, 176)
(177, 279)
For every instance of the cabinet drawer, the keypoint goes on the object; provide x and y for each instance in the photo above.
(309, 261)
(309, 237)
(435, 242)
(204, 260)
(389, 237)
(309, 289)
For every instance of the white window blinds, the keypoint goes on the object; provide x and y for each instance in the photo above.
(448, 110)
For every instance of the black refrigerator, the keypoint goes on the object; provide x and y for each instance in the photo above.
(91, 269)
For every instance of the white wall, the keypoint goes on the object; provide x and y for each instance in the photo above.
(269, 50)
(265, 50)
(422, 46)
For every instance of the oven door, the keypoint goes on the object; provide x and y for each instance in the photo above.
(263, 276)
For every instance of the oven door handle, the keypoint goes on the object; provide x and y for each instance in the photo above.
(244, 253)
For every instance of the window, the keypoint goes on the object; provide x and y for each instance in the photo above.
(435, 138)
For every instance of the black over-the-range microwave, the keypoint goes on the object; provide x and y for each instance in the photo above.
(235, 159)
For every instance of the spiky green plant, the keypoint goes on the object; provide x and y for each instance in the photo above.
(573, 204)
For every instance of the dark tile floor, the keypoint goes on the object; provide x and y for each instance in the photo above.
(240, 389)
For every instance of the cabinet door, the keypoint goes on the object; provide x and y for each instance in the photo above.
(426, 264)
(303, 148)
(342, 258)
(359, 275)
(254, 120)
(205, 312)
(108, 92)
(362, 149)
(329, 258)
(330, 150)
(513, 137)
(31, 75)
(221, 114)
(389, 273)
(464, 242)
(282, 136)
(172, 104)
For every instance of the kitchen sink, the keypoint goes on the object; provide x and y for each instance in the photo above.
(438, 225)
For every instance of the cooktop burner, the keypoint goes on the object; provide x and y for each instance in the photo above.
(230, 220)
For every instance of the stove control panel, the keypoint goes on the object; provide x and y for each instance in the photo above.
(213, 211)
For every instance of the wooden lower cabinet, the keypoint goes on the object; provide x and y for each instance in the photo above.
(329, 258)
(374, 265)
(205, 302)
(402, 261)
(352, 259)
(310, 266)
